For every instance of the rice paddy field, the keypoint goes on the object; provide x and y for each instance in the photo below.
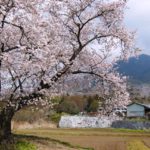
(92, 139)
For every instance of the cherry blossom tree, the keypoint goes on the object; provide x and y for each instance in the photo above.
(43, 41)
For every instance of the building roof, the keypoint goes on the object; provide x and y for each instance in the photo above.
(147, 106)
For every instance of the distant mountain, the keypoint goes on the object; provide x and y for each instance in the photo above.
(137, 69)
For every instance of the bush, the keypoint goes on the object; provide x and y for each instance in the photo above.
(56, 117)
(93, 106)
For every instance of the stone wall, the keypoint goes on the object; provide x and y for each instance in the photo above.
(100, 122)
(131, 124)
(84, 122)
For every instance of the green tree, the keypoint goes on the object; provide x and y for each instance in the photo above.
(93, 106)
(68, 107)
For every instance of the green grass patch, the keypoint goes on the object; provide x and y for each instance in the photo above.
(131, 130)
(137, 119)
(24, 145)
(47, 132)
(137, 145)
(18, 145)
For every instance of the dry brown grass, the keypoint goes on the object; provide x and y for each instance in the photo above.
(98, 143)
(19, 125)
(137, 145)
(146, 142)
(99, 139)
(49, 145)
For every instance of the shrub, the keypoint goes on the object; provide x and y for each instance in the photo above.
(92, 104)
(55, 117)
(93, 107)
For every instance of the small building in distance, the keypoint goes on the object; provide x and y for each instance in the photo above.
(138, 110)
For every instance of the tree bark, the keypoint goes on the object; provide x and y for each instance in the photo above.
(6, 116)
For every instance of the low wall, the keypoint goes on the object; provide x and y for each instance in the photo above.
(100, 122)
(131, 124)
(84, 122)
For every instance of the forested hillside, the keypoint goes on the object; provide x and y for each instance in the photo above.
(137, 69)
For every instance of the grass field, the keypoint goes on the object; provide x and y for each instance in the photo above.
(97, 139)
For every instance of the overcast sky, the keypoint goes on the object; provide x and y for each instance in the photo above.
(138, 18)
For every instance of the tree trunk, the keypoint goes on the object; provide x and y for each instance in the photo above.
(5, 123)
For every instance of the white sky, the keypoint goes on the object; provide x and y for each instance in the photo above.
(138, 18)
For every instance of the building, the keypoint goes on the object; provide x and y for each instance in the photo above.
(138, 110)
